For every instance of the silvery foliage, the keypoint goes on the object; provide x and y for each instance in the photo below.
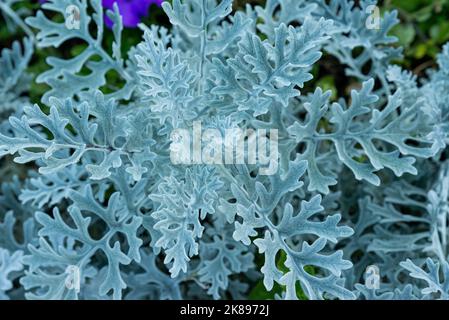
(361, 181)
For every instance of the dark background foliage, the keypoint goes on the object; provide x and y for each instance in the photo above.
(424, 28)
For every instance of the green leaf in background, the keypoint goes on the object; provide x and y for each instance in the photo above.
(259, 292)
(328, 83)
(405, 33)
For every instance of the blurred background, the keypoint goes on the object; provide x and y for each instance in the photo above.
(424, 28)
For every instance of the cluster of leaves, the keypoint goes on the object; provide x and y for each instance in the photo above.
(361, 180)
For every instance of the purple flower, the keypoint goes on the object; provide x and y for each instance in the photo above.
(132, 11)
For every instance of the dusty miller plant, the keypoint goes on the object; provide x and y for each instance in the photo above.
(362, 180)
